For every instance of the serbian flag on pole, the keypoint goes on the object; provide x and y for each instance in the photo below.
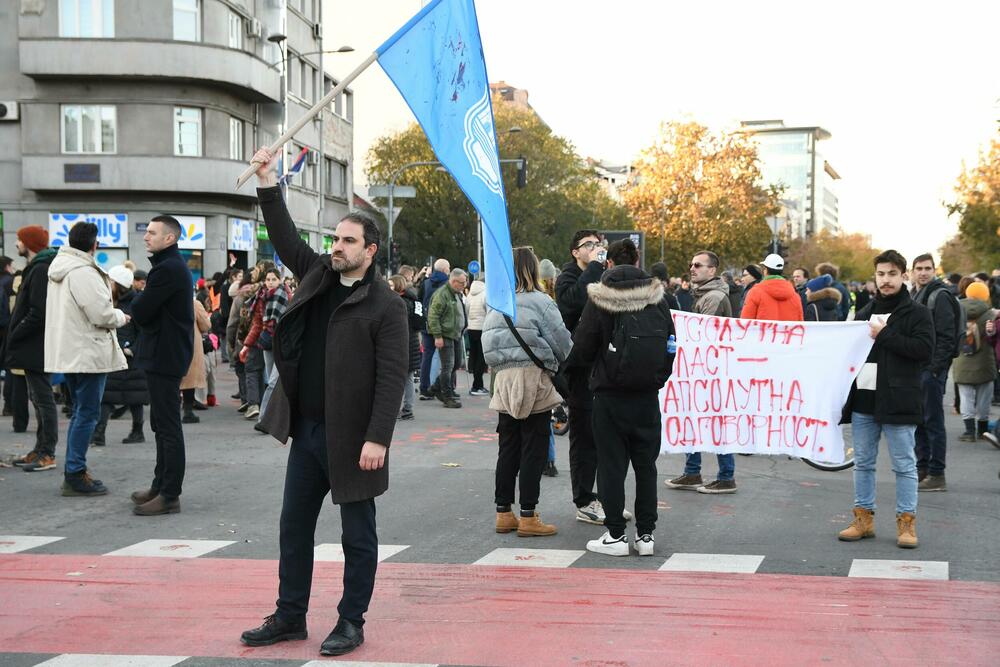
(296, 167)
(436, 61)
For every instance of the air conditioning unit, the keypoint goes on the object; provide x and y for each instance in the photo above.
(8, 111)
(253, 28)
(312, 158)
(317, 31)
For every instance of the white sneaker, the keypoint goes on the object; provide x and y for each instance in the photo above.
(592, 513)
(609, 546)
(644, 544)
(252, 412)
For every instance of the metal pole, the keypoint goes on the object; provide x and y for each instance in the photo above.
(392, 186)
(309, 115)
(479, 241)
(662, 234)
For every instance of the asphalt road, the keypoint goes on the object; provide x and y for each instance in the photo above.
(440, 501)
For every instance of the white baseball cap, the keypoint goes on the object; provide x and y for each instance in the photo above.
(774, 262)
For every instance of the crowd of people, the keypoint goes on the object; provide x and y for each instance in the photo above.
(332, 357)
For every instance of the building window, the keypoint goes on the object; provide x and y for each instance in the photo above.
(349, 106)
(89, 129)
(306, 79)
(187, 20)
(291, 66)
(235, 139)
(235, 30)
(187, 131)
(87, 18)
(336, 178)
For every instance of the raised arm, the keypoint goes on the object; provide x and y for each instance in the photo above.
(293, 251)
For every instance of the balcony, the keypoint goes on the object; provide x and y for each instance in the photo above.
(99, 173)
(244, 74)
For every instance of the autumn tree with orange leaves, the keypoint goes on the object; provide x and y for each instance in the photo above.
(978, 204)
(703, 191)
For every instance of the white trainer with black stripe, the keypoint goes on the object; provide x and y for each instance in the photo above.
(644, 544)
(609, 546)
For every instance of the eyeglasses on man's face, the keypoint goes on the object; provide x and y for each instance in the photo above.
(590, 245)
(697, 265)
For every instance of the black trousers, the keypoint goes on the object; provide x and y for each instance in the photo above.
(165, 421)
(19, 396)
(582, 452)
(38, 387)
(477, 362)
(524, 449)
(930, 439)
(306, 485)
(627, 429)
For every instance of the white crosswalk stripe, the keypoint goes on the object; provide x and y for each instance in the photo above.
(341, 663)
(334, 553)
(172, 548)
(899, 569)
(530, 557)
(92, 660)
(732, 563)
(12, 544)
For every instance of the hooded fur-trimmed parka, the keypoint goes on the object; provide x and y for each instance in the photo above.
(623, 289)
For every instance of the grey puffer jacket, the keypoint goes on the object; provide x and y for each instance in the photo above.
(540, 325)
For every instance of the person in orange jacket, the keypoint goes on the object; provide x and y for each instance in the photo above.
(774, 298)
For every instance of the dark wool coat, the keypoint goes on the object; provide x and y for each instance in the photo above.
(127, 387)
(367, 356)
(164, 312)
(823, 305)
(25, 341)
(901, 350)
(417, 323)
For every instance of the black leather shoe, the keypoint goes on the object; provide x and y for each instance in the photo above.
(274, 630)
(345, 638)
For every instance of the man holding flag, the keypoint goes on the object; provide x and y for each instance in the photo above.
(347, 331)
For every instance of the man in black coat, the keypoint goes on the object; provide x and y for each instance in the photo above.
(341, 350)
(164, 311)
(26, 344)
(931, 438)
(589, 254)
(626, 410)
(886, 397)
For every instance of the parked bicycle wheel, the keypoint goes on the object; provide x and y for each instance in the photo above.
(848, 455)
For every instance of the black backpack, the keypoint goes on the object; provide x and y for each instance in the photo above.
(959, 317)
(637, 359)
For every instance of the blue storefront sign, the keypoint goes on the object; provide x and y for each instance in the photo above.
(112, 228)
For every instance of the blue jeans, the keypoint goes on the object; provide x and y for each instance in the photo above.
(727, 465)
(867, 432)
(87, 389)
(552, 443)
(427, 342)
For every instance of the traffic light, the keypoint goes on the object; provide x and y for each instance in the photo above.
(522, 172)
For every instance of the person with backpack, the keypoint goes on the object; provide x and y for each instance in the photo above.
(976, 365)
(624, 334)
(949, 327)
(523, 355)
(822, 300)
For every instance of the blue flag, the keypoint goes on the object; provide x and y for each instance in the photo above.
(436, 61)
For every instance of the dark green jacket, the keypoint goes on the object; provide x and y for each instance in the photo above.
(981, 366)
(446, 317)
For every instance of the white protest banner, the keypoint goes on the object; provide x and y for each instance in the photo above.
(760, 387)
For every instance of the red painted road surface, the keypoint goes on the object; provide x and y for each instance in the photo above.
(475, 615)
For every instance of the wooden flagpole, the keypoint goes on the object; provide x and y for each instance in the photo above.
(309, 115)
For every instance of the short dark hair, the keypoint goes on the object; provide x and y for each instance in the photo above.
(926, 257)
(982, 276)
(832, 270)
(371, 231)
(954, 278)
(5, 261)
(686, 277)
(83, 236)
(659, 270)
(623, 252)
(582, 234)
(713, 259)
(171, 223)
(891, 257)
(804, 270)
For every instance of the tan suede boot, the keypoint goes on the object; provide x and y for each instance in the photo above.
(863, 526)
(506, 522)
(906, 531)
(533, 527)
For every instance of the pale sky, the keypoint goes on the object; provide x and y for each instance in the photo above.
(908, 89)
